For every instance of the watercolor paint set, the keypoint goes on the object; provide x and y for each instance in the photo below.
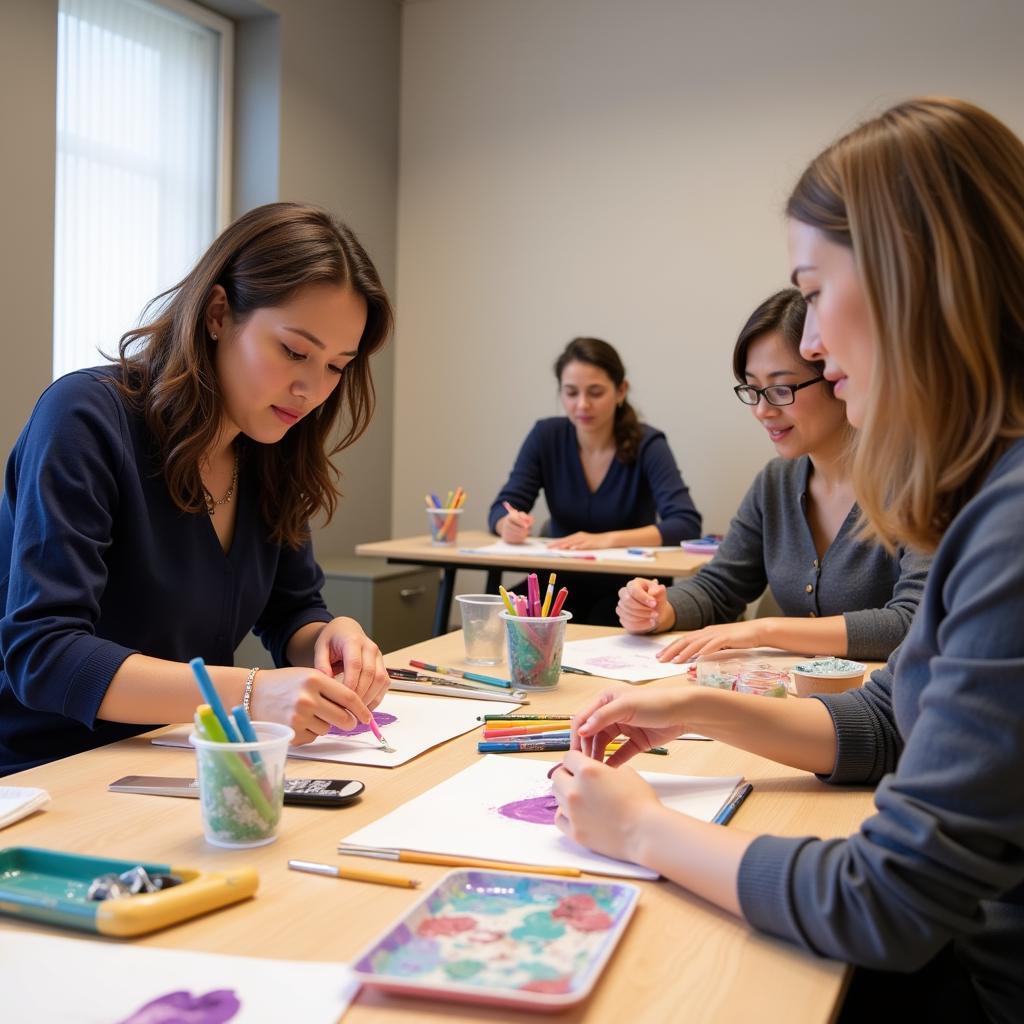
(502, 938)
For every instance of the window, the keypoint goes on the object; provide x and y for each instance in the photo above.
(142, 161)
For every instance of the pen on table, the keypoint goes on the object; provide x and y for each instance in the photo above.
(524, 735)
(576, 671)
(523, 718)
(476, 676)
(642, 552)
(724, 816)
(352, 874)
(520, 746)
(448, 860)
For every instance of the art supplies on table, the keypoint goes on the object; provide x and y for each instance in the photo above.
(17, 802)
(414, 724)
(311, 867)
(63, 980)
(53, 887)
(309, 792)
(623, 656)
(703, 545)
(443, 516)
(504, 805)
(421, 683)
(447, 860)
(502, 939)
(477, 677)
(542, 547)
(726, 814)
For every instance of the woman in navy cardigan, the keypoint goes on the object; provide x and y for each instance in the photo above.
(609, 480)
(157, 509)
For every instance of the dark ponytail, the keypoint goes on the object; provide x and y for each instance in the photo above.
(626, 429)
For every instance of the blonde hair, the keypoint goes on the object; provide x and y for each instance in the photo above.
(930, 197)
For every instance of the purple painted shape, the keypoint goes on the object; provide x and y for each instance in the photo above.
(184, 1008)
(538, 810)
(382, 718)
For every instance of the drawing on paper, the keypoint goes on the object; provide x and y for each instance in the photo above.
(182, 1007)
(382, 718)
(537, 810)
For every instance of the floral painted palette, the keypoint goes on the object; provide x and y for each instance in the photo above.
(502, 938)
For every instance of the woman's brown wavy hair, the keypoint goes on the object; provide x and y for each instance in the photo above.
(626, 427)
(930, 198)
(169, 373)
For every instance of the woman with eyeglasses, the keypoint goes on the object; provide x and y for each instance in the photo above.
(795, 531)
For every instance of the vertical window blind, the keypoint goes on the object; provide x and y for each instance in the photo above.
(142, 115)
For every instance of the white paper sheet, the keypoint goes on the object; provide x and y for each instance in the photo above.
(624, 656)
(47, 979)
(462, 816)
(18, 801)
(536, 544)
(419, 724)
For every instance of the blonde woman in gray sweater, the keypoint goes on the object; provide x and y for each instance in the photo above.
(795, 531)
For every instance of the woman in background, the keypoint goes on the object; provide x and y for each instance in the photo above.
(609, 480)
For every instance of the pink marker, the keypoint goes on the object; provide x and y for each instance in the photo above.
(375, 729)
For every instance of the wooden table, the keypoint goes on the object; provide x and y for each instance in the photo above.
(421, 551)
(680, 958)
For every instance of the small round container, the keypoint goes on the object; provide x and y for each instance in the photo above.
(763, 683)
(535, 649)
(827, 675)
(720, 675)
(443, 524)
(241, 786)
(482, 631)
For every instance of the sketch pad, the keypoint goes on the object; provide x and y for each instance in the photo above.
(491, 810)
(411, 725)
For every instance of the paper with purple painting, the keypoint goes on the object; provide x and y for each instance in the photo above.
(82, 981)
(410, 724)
(501, 808)
(624, 656)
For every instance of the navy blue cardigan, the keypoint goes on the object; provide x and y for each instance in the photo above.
(98, 563)
(649, 491)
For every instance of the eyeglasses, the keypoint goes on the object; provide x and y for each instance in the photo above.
(774, 394)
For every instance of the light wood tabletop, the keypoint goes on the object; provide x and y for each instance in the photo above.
(680, 958)
(421, 550)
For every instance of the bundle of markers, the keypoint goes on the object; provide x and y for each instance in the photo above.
(531, 606)
(443, 517)
(515, 734)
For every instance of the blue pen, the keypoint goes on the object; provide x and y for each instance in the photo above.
(510, 747)
(247, 731)
(639, 551)
(211, 697)
(724, 816)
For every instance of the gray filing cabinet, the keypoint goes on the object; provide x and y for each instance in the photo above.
(393, 603)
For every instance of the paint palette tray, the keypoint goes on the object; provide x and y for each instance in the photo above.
(502, 938)
(51, 886)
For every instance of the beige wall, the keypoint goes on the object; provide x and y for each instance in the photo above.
(331, 137)
(617, 167)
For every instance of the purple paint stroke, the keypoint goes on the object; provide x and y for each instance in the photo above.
(182, 1007)
(537, 810)
(382, 718)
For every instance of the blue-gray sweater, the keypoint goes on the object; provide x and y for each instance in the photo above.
(770, 544)
(941, 731)
(98, 563)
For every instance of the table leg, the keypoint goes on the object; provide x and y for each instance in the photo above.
(445, 589)
(493, 581)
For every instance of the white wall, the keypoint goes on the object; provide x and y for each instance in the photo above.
(618, 168)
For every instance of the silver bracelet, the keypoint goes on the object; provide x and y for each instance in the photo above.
(247, 692)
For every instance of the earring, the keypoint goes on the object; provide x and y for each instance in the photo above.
(213, 336)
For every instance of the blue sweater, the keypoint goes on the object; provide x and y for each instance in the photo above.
(98, 563)
(649, 491)
(940, 730)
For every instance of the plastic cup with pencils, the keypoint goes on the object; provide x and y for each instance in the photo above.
(535, 649)
(443, 516)
(241, 785)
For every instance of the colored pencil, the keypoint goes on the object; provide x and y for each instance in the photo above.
(524, 718)
(352, 874)
(211, 697)
(453, 861)
(507, 600)
(460, 674)
(548, 595)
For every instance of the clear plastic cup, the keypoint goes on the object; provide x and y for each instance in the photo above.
(482, 630)
(443, 524)
(241, 786)
(763, 682)
(535, 649)
(720, 674)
